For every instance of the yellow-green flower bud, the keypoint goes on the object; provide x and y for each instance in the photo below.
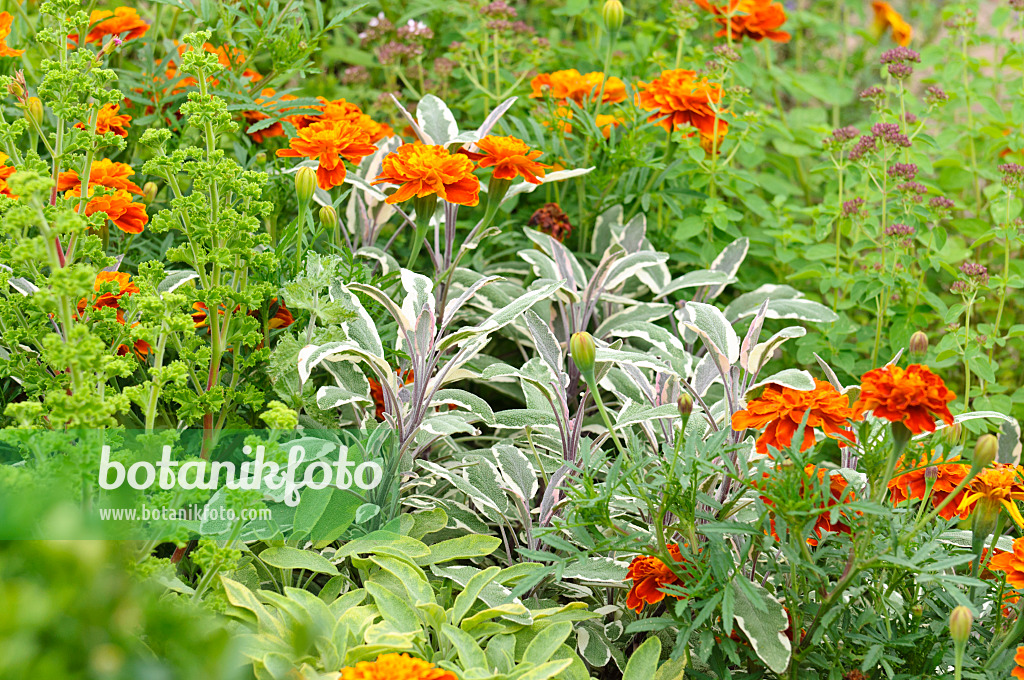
(149, 191)
(685, 404)
(961, 620)
(34, 110)
(329, 217)
(305, 184)
(918, 344)
(613, 15)
(985, 450)
(953, 433)
(583, 351)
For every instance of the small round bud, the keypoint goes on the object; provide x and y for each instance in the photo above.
(260, 158)
(583, 351)
(34, 110)
(613, 15)
(917, 610)
(985, 450)
(953, 433)
(305, 184)
(918, 345)
(931, 473)
(685, 404)
(961, 620)
(329, 217)
(149, 191)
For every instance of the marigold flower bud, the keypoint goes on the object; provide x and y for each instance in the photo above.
(685, 404)
(329, 217)
(931, 473)
(613, 15)
(583, 351)
(260, 157)
(918, 345)
(953, 433)
(985, 450)
(34, 110)
(149, 190)
(961, 620)
(305, 184)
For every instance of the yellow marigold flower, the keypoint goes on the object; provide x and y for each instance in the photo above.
(396, 667)
(511, 157)
(995, 488)
(888, 18)
(420, 170)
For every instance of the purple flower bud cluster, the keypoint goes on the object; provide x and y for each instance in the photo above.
(506, 26)
(873, 93)
(934, 94)
(415, 31)
(903, 234)
(976, 273)
(910, 118)
(907, 171)
(854, 208)
(840, 137)
(392, 51)
(355, 75)
(727, 53)
(899, 61)
(863, 146)
(889, 133)
(499, 9)
(941, 204)
(443, 66)
(912, 191)
(376, 28)
(1013, 175)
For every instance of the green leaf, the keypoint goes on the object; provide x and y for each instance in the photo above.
(469, 651)
(463, 547)
(286, 557)
(764, 623)
(644, 661)
(546, 642)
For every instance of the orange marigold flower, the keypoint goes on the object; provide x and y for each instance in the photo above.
(649, 575)
(561, 119)
(339, 109)
(280, 316)
(109, 120)
(678, 99)
(910, 482)
(754, 19)
(5, 173)
(914, 396)
(782, 409)
(108, 299)
(996, 488)
(1018, 659)
(836, 492)
(605, 123)
(331, 142)
(104, 173)
(140, 348)
(421, 170)
(275, 129)
(5, 30)
(396, 667)
(122, 20)
(571, 84)
(888, 18)
(127, 216)
(1011, 562)
(511, 158)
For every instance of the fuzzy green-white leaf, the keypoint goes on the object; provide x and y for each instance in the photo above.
(764, 623)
